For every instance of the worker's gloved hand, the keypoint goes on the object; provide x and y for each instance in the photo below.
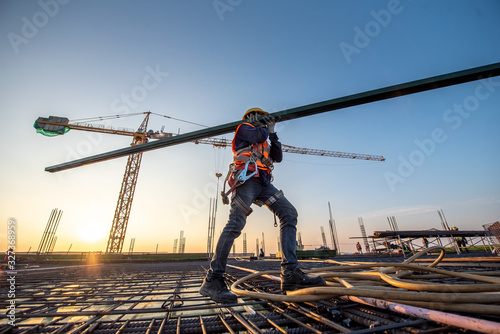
(253, 120)
(266, 120)
(270, 122)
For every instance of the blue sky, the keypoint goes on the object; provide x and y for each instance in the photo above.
(207, 62)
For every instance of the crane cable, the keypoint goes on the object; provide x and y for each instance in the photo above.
(180, 120)
(219, 157)
(104, 118)
(380, 283)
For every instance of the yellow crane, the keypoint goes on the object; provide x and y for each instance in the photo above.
(54, 126)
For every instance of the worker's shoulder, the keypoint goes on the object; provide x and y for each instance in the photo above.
(245, 129)
(246, 126)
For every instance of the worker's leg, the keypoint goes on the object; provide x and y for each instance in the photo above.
(291, 276)
(287, 215)
(247, 193)
(213, 285)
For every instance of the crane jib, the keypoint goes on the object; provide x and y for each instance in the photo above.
(412, 87)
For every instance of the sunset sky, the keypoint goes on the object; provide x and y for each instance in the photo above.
(207, 62)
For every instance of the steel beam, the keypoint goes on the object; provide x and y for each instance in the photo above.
(412, 87)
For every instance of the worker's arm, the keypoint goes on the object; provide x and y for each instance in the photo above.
(248, 135)
(276, 153)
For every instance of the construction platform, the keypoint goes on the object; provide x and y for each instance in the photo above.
(164, 298)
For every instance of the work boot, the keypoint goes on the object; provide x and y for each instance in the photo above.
(216, 288)
(296, 279)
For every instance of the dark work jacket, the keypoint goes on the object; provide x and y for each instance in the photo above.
(248, 135)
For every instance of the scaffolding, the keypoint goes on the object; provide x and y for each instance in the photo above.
(395, 241)
(494, 234)
(363, 233)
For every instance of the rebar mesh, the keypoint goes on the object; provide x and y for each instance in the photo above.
(164, 298)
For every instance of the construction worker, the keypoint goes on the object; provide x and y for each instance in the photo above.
(461, 242)
(252, 154)
(425, 242)
(358, 247)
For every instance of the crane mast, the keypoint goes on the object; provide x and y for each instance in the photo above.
(126, 196)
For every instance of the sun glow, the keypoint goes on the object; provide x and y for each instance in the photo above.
(91, 232)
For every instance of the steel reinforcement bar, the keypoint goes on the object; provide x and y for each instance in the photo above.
(164, 298)
(411, 87)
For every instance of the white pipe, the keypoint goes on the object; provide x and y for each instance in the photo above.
(451, 319)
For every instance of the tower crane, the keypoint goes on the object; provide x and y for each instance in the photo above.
(53, 126)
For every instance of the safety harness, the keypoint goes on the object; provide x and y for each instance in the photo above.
(246, 164)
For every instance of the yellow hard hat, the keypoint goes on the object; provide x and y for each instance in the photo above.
(260, 111)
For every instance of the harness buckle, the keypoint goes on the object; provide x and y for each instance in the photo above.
(242, 176)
